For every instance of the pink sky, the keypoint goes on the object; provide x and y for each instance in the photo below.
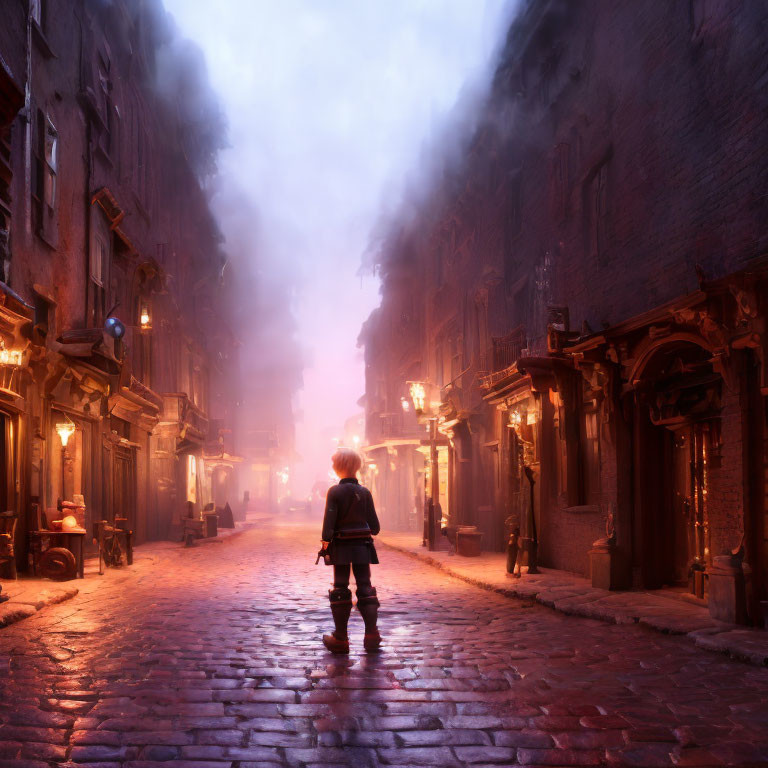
(329, 105)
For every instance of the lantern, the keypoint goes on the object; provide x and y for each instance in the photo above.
(418, 395)
(145, 318)
(65, 430)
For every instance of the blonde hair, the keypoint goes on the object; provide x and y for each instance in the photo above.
(347, 461)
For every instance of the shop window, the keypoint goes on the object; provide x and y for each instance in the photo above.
(591, 456)
(561, 444)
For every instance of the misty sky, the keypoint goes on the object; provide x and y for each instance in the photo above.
(329, 103)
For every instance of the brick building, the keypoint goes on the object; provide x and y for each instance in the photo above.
(102, 216)
(583, 295)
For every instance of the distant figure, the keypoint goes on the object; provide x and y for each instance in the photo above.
(349, 524)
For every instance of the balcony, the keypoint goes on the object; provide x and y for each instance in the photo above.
(503, 353)
(191, 420)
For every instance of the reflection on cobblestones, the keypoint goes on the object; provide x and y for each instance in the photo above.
(212, 657)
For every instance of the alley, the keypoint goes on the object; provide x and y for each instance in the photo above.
(211, 657)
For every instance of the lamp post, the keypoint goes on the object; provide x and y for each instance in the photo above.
(520, 421)
(418, 392)
(65, 430)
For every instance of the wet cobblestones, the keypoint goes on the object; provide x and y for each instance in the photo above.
(211, 658)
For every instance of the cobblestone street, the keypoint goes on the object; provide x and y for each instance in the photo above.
(211, 657)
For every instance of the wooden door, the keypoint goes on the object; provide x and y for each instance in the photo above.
(682, 509)
(123, 485)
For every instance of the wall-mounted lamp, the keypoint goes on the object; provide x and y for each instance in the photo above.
(405, 403)
(14, 357)
(114, 328)
(418, 395)
(145, 318)
(65, 430)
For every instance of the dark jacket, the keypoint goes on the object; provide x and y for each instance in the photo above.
(349, 506)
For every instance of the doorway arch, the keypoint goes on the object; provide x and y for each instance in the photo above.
(678, 396)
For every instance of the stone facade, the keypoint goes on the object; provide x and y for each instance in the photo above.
(582, 292)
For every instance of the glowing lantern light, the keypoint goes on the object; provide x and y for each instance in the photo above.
(13, 357)
(418, 395)
(515, 419)
(356, 440)
(406, 405)
(65, 430)
(145, 319)
(283, 475)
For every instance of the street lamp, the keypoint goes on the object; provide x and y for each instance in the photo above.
(418, 391)
(517, 421)
(65, 430)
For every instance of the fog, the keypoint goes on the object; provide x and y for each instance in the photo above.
(329, 105)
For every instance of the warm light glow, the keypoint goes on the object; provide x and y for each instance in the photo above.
(65, 430)
(515, 419)
(372, 466)
(356, 440)
(192, 478)
(418, 395)
(145, 318)
(531, 417)
(406, 405)
(11, 356)
(283, 475)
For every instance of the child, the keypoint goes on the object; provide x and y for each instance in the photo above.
(349, 524)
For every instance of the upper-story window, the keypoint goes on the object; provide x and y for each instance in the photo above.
(99, 266)
(50, 169)
(596, 211)
(45, 178)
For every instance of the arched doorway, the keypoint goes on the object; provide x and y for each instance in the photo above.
(222, 485)
(677, 427)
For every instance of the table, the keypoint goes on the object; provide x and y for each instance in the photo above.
(74, 541)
